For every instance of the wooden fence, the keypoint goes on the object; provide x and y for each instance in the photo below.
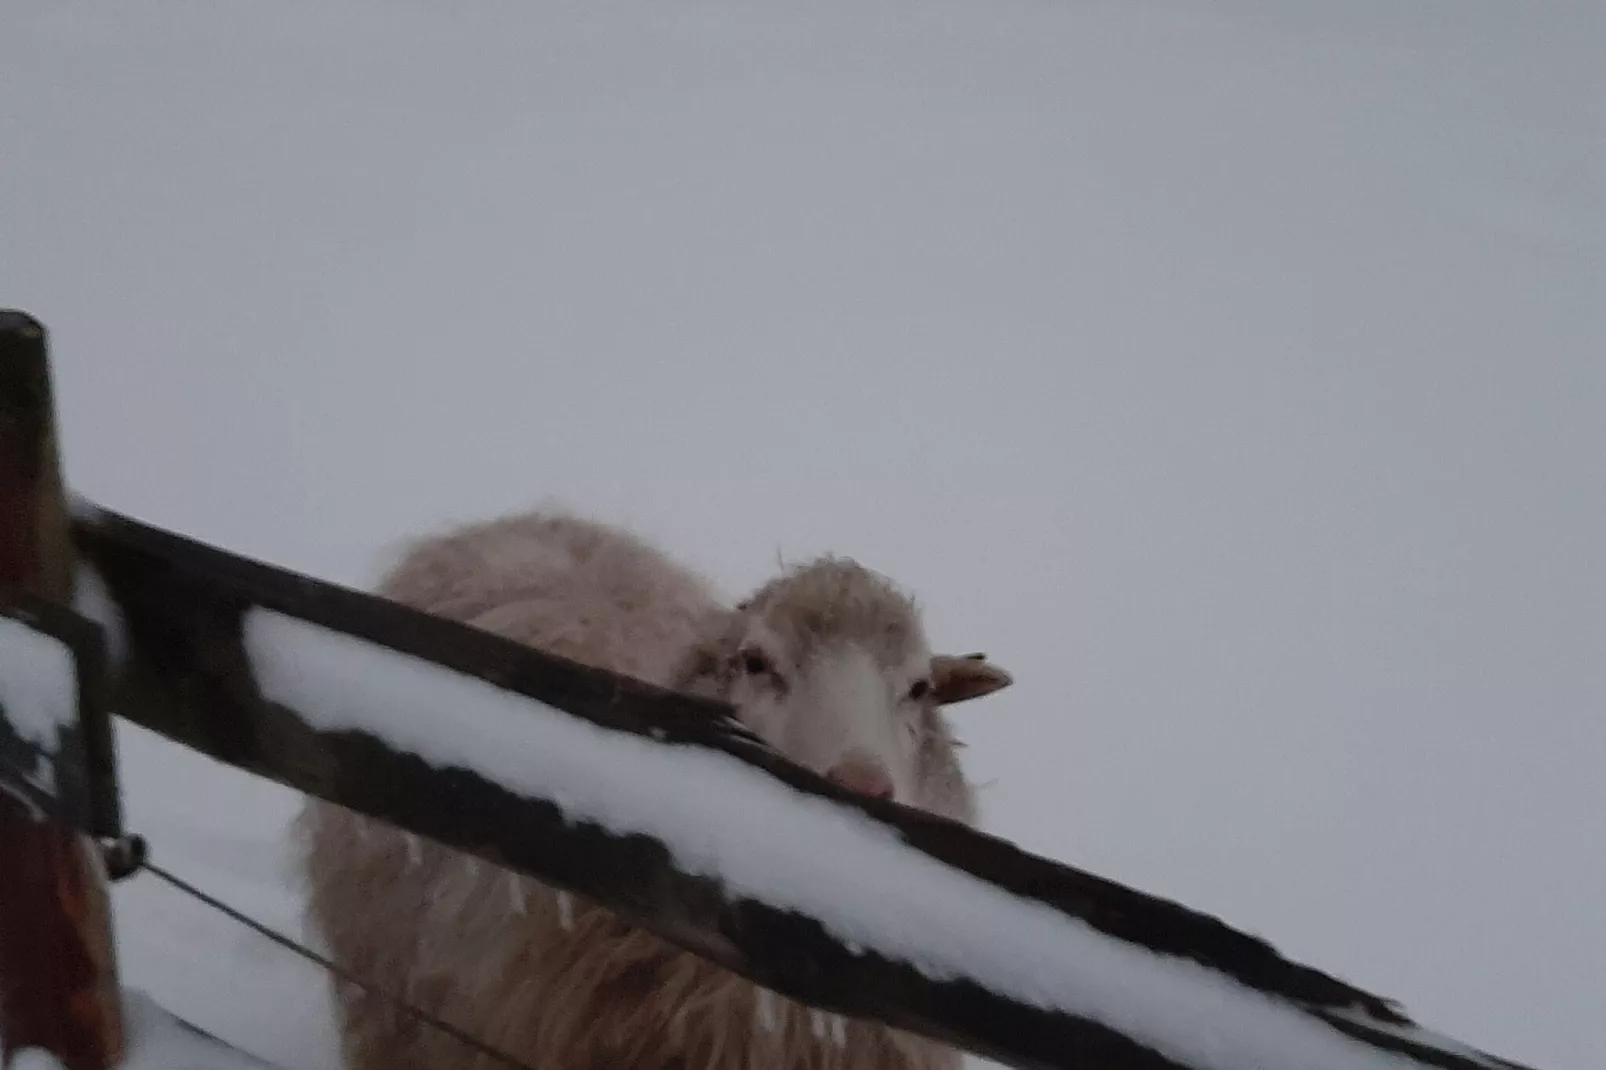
(166, 643)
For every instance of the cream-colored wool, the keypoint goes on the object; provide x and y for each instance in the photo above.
(828, 662)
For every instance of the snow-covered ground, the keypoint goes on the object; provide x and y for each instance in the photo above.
(154, 1039)
(1232, 374)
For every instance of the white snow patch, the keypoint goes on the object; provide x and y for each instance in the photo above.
(38, 683)
(770, 845)
(155, 1040)
(92, 599)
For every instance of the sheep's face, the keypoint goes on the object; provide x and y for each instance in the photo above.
(838, 710)
(829, 664)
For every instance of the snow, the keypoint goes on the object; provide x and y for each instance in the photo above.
(36, 1059)
(202, 965)
(92, 599)
(154, 1040)
(723, 819)
(1263, 338)
(38, 683)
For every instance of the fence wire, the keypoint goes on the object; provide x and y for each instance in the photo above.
(332, 967)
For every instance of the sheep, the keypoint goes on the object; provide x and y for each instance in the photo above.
(827, 662)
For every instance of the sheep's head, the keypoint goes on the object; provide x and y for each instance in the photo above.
(829, 664)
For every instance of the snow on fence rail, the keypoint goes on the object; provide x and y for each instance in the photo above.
(55, 733)
(664, 809)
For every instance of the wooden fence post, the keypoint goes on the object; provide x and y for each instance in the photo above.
(58, 980)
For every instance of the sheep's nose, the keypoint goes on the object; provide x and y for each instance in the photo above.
(863, 777)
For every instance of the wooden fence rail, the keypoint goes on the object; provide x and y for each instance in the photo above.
(191, 630)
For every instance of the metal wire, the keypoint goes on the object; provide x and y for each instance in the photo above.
(332, 967)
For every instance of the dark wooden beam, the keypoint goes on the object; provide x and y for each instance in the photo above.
(58, 983)
(188, 676)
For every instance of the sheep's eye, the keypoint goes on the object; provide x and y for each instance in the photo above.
(755, 664)
(919, 689)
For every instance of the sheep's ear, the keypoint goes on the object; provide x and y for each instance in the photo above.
(960, 677)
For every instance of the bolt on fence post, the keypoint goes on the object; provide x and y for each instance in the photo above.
(58, 978)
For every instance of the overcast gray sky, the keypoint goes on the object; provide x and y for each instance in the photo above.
(1236, 377)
